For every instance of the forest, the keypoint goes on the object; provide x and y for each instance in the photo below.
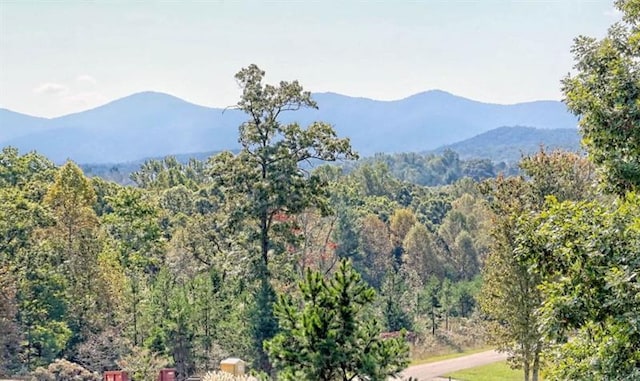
(310, 270)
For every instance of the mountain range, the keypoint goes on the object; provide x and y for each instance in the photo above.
(152, 124)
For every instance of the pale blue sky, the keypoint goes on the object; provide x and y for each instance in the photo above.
(63, 57)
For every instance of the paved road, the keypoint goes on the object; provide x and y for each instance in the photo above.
(428, 372)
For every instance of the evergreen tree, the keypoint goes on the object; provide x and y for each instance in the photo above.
(329, 335)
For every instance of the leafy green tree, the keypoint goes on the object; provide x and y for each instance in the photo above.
(74, 244)
(169, 172)
(376, 250)
(43, 311)
(20, 217)
(587, 255)
(265, 182)
(170, 310)
(400, 223)
(511, 290)
(20, 170)
(272, 152)
(605, 93)
(327, 335)
(432, 207)
(136, 240)
(565, 175)
(376, 180)
(510, 295)
(422, 254)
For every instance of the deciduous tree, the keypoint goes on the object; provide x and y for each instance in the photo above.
(266, 179)
(605, 93)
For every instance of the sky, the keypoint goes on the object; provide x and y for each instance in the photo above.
(60, 57)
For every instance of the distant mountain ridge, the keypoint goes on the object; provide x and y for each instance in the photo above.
(509, 144)
(152, 124)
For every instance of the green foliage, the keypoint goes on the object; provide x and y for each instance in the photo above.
(264, 183)
(169, 172)
(605, 93)
(19, 171)
(510, 294)
(134, 226)
(328, 335)
(396, 303)
(186, 267)
(587, 255)
(43, 312)
(376, 250)
(565, 175)
(465, 296)
(422, 254)
(512, 285)
(72, 240)
(383, 172)
(10, 336)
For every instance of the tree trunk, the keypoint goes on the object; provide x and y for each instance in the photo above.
(182, 355)
(134, 292)
(536, 366)
(433, 321)
(446, 321)
(526, 370)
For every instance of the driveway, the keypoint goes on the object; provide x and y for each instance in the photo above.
(431, 371)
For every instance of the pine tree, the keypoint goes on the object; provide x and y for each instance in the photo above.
(329, 335)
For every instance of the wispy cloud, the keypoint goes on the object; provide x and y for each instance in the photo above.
(51, 88)
(86, 79)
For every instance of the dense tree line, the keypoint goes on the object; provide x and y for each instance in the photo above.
(423, 169)
(184, 268)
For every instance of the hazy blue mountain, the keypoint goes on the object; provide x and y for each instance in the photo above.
(508, 144)
(153, 124)
(14, 124)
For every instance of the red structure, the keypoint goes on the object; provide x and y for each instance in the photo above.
(168, 374)
(116, 375)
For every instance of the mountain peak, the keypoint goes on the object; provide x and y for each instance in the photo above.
(148, 97)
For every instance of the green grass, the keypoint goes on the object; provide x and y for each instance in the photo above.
(498, 371)
(448, 356)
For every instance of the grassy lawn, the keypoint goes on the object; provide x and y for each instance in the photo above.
(499, 371)
(448, 356)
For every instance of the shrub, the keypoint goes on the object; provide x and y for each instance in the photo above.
(142, 364)
(63, 370)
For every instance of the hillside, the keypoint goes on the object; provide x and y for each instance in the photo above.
(509, 144)
(479, 157)
(153, 124)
